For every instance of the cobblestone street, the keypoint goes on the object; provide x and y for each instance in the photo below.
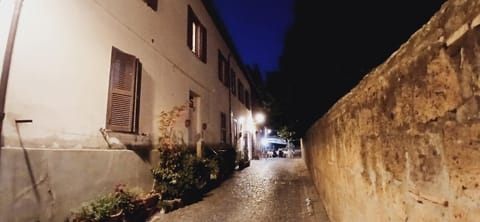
(274, 189)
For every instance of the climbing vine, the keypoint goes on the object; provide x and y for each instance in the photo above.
(167, 120)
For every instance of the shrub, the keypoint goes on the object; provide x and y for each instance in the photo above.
(121, 201)
(99, 210)
(121, 205)
(180, 174)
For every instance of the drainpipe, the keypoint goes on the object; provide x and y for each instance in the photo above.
(229, 99)
(7, 60)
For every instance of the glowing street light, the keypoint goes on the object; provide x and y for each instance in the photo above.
(259, 118)
(241, 119)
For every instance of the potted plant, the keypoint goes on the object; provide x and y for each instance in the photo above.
(119, 206)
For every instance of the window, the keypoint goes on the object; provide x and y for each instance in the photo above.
(152, 4)
(196, 36)
(220, 66)
(124, 92)
(223, 69)
(223, 128)
(233, 76)
(247, 99)
(191, 101)
(240, 92)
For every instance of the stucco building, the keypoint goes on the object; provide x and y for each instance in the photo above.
(83, 84)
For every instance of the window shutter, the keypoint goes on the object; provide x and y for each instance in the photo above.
(138, 81)
(220, 66)
(239, 90)
(233, 85)
(226, 73)
(241, 93)
(189, 28)
(203, 56)
(122, 92)
(247, 99)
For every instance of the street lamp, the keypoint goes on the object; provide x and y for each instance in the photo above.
(259, 118)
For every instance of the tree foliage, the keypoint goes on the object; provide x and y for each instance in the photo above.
(286, 133)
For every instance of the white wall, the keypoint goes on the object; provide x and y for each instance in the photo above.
(60, 68)
(48, 184)
(6, 13)
(59, 79)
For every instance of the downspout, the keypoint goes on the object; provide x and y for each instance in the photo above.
(7, 60)
(230, 100)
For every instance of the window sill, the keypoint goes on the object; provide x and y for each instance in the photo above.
(122, 140)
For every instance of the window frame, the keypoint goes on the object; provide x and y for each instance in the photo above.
(196, 36)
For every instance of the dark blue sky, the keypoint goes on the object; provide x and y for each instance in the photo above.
(257, 28)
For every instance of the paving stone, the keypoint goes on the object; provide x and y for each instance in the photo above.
(273, 189)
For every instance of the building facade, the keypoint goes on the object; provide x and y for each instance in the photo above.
(85, 82)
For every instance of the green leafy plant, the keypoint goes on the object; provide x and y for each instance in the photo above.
(121, 205)
(179, 173)
(99, 210)
(286, 133)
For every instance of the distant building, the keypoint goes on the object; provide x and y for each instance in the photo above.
(87, 80)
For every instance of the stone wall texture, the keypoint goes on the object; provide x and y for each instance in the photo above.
(404, 144)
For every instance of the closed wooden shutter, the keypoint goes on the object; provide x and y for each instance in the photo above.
(203, 55)
(226, 73)
(247, 99)
(233, 77)
(120, 115)
(220, 66)
(240, 92)
(190, 28)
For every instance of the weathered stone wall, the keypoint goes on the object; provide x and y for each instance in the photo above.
(404, 145)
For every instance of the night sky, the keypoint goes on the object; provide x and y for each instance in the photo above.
(376, 27)
(320, 50)
(257, 28)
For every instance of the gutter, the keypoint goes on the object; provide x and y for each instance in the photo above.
(7, 60)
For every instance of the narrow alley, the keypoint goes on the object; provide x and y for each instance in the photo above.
(273, 189)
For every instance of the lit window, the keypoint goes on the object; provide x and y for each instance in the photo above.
(196, 36)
